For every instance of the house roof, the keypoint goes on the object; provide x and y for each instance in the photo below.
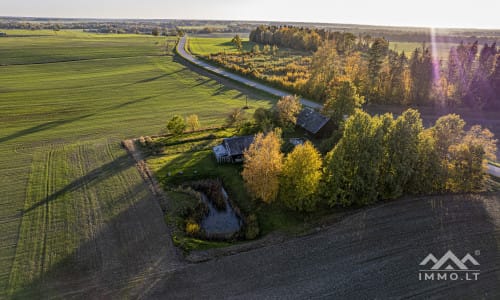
(237, 145)
(311, 120)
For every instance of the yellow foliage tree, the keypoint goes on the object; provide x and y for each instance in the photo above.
(262, 167)
(300, 178)
(288, 107)
(193, 122)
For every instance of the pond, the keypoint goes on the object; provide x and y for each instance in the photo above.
(220, 223)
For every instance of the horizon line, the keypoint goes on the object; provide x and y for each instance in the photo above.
(252, 21)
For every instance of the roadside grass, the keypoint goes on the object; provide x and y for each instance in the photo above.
(494, 163)
(57, 123)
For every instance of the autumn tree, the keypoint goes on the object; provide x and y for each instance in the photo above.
(263, 165)
(238, 42)
(300, 178)
(264, 119)
(400, 157)
(324, 67)
(287, 109)
(193, 122)
(448, 130)
(274, 49)
(428, 176)
(356, 70)
(235, 117)
(256, 49)
(266, 49)
(352, 168)
(343, 100)
(176, 125)
(466, 161)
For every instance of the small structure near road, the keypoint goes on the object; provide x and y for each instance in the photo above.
(313, 122)
(3, 34)
(231, 149)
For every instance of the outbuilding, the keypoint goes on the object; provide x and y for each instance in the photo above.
(313, 122)
(231, 149)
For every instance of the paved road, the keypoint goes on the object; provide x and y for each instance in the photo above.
(493, 170)
(374, 254)
(181, 49)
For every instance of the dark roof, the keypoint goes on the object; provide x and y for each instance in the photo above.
(311, 120)
(237, 145)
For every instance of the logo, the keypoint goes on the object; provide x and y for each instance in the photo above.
(449, 267)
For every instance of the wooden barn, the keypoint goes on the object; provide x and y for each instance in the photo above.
(231, 149)
(314, 122)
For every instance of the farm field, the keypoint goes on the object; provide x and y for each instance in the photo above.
(71, 198)
(201, 45)
(442, 49)
(210, 45)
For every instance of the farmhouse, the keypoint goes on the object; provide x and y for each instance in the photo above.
(313, 122)
(231, 149)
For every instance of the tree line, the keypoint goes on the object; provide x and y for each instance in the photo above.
(300, 38)
(470, 76)
(466, 78)
(376, 158)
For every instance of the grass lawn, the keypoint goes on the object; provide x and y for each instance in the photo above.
(67, 98)
(191, 158)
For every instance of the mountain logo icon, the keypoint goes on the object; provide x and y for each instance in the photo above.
(449, 261)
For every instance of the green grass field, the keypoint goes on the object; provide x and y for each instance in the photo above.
(210, 45)
(442, 49)
(66, 101)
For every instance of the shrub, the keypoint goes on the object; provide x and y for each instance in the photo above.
(252, 227)
(192, 228)
(213, 190)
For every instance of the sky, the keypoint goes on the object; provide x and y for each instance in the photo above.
(424, 13)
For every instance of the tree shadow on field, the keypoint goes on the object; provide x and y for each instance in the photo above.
(95, 176)
(157, 77)
(221, 90)
(131, 250)
(202, 82)
(41, 127)
(53, 124)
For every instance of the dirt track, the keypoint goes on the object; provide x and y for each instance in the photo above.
(373, 254)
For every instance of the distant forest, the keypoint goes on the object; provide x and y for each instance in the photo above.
(470, 76)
